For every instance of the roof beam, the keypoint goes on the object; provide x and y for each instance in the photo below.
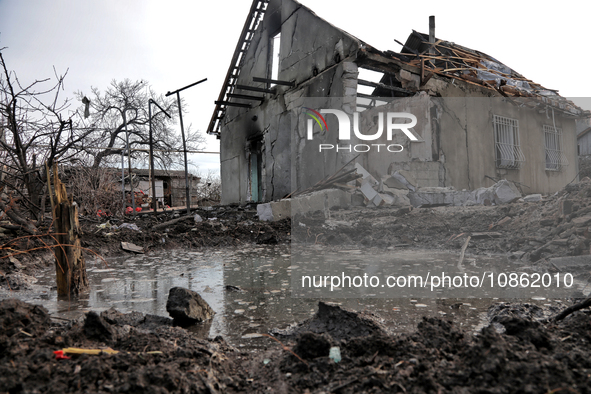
(255, 89)
(275, 81)
(246, 97)
(230, 104)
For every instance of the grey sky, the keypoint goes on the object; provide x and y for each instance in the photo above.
(174, 43)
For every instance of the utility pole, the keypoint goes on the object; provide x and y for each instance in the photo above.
(178, 97)
(154, 200)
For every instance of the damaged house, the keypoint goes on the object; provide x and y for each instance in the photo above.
(475, 119)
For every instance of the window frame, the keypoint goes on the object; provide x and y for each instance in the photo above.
(508, 153)
(554, 156)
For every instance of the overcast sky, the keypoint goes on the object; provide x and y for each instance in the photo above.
(174, 43)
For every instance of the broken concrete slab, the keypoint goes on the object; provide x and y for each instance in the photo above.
(406, 178)
(438, 196)
(501, 192)
(366, 176)
(378, 200)
(187, 307)
(265, 212)
(505, 192)
(368, 191)
(306, 203)
(392, 182)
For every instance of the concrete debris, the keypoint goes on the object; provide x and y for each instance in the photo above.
(187, 307)
(322, 200)
(368, 191)
(406, 178)
(392, 183)
(400, 189)
(502, 192)
(532, 198)
(365, 175)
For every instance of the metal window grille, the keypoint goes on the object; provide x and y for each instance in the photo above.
(508, 153)
(555, 158)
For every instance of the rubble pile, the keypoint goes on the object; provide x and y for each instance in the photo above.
(401, 189)
(533, 229)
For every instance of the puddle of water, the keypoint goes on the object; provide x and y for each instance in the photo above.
(264, 301)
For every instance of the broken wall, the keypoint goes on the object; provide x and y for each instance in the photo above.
(311, 55)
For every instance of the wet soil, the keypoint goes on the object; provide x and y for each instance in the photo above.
(519, 353)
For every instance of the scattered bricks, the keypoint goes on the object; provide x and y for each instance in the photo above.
(581, 221)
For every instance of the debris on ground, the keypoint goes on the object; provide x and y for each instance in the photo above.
(148, 354)
(558, 226)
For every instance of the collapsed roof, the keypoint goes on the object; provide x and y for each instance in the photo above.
(421, 55)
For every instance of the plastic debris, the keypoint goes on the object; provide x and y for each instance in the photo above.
(130, 226)
(59, 355)
(335, 354)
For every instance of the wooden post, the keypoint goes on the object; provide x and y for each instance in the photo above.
(70, 267)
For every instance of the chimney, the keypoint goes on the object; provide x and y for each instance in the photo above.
(431, 33)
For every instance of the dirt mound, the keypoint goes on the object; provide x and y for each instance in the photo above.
(529, 357)
(441, 358)
(157, 360)
(17, 316)
(339, 323)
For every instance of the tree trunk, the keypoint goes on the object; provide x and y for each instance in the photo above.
(70, 266)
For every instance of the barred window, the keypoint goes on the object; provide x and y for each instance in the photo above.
(555, 158)
(508, 153)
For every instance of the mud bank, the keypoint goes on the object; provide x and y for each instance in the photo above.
(517, 353)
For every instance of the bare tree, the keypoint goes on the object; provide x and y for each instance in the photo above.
(209, 189)
(120, 113)
(34, 129)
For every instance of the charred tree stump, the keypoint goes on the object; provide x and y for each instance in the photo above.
(70, 267)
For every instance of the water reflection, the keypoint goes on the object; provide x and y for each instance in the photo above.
(250, 290)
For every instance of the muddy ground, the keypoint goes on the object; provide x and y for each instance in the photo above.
(518, 353)
(22, 255)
